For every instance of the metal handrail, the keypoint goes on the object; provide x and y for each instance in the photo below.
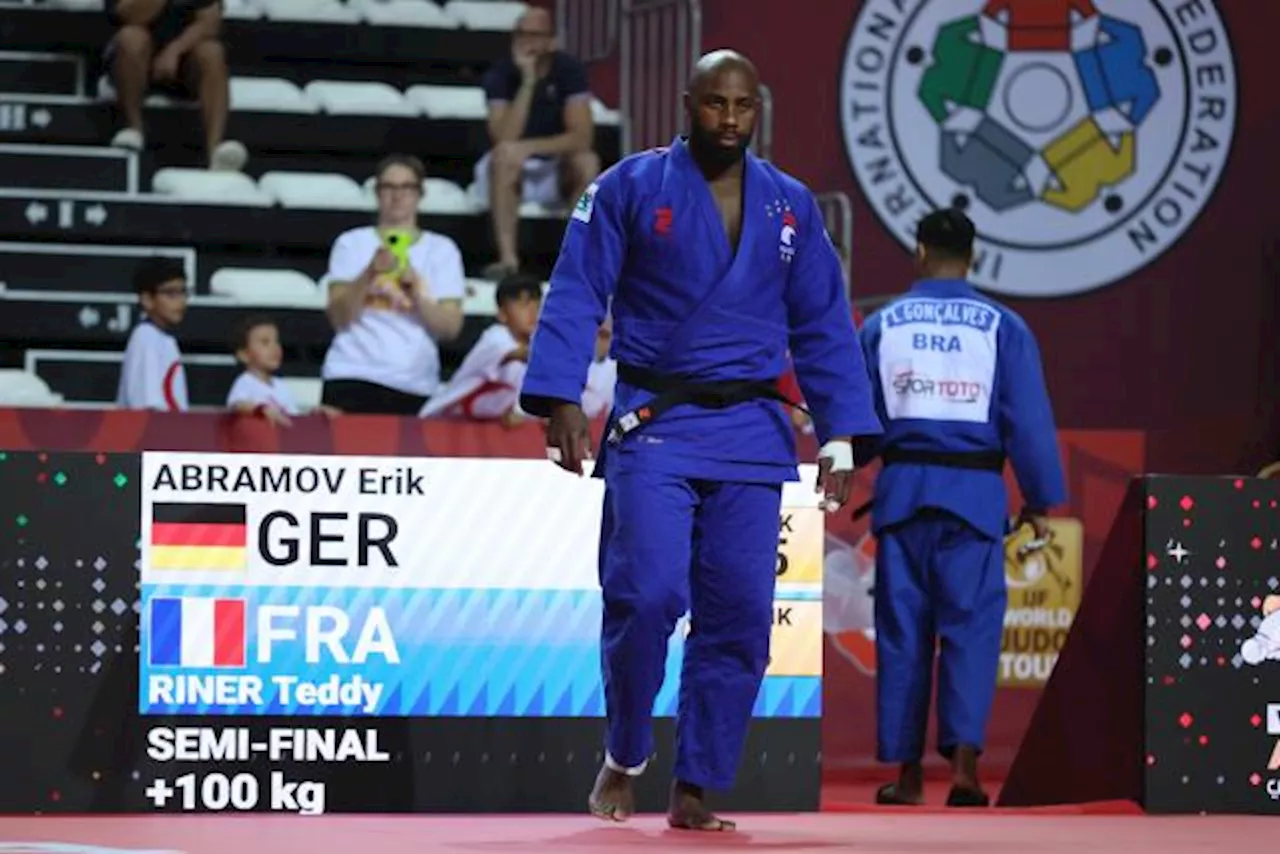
(588, 28)
(652, 115)
(762, 145)
(836, 205)
(592, 29)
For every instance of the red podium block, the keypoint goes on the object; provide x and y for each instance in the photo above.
(1085, 738)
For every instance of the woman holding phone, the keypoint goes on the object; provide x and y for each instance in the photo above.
(394, 292)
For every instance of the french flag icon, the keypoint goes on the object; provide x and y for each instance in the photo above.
(189, 631)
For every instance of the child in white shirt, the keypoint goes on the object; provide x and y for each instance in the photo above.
(256, 344)
(151, 375)
(602, 375)
(486, 386)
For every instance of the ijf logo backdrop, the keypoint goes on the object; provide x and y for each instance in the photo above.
(1083, 137)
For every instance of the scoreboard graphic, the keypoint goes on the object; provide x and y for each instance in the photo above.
(209, 632)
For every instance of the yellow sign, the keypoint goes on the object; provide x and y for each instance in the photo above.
(800, 532)
(1044, 595)
(795, 647)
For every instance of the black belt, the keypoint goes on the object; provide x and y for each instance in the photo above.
(992, 461)
(977, 460)
(671, 390)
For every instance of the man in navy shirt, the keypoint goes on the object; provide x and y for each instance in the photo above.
(542, 132)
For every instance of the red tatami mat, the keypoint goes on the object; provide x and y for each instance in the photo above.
(860, 797)
(953, 833)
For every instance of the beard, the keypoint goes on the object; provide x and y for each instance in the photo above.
(710, 152)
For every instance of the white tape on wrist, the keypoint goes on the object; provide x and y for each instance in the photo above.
(840, 453)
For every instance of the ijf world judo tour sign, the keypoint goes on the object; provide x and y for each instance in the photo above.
(1083, 137)
(383, 587)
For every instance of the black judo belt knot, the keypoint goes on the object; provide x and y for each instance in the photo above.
(672, 390)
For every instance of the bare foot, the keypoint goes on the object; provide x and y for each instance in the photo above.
(613, 796)
(688, 811)
(908, 791)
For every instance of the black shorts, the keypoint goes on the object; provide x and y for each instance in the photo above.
(358, 397)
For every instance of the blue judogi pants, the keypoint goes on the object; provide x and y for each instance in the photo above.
(937, 578)
(671, 545)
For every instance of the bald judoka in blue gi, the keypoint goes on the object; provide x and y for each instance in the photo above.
(714, 263)
(959, 388)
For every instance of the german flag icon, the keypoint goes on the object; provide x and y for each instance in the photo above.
(198, 537)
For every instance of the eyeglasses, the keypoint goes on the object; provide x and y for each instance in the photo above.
(402, 188)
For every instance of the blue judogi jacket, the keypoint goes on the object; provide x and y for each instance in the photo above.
(647, 243)
(957, 373)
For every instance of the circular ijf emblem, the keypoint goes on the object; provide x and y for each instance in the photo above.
(1083, 137)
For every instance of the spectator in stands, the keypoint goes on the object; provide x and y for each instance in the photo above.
(486, 385)
(394, 292)
(256, 344)
(171, 47)
(542, 132)
(152, 376)
(602, 375)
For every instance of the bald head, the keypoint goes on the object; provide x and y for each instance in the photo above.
(720, 63)
(721, 102)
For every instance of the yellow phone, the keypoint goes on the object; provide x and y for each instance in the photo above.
(398, 241)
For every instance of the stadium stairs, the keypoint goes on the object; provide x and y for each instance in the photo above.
(321, 89)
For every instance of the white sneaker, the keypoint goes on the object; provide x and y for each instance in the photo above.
(128, 138)
(229, 156)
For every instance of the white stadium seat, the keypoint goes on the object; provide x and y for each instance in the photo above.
(438, 196)
(405, 13)
(20, 388)
(528, 210)
(201, 186)
(481, 299)
(486, 14)
(603, 115)
(269, 95)
(106, 91)
(445, 197)
(347, 98)
(273, 288)
(79, 5)
(311, 11)
(243, 10)
(315, 190)
(449, 102)
(533, 210)
(306, 391)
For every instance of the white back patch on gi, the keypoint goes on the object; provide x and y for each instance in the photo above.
(586, 203)
(938, 359)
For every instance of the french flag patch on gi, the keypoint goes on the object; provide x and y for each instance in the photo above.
(189, 631)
